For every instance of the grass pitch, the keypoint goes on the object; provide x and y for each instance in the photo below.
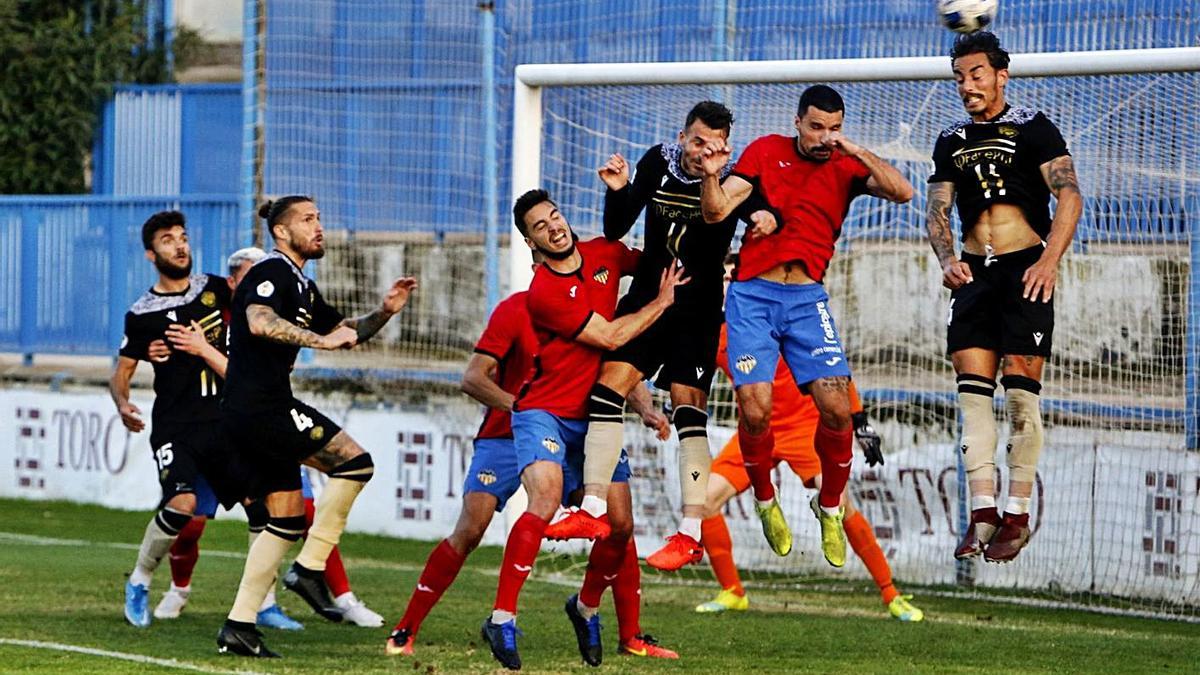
(62, 572)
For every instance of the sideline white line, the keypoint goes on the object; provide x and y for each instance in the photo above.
(136, 658)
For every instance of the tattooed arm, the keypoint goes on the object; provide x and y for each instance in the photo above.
(1059, 174)
(955, 273)
(265, 323)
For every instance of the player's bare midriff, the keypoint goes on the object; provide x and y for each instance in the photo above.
(790, 272)
(1003, 229)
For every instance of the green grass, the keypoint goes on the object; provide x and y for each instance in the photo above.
(72, 594)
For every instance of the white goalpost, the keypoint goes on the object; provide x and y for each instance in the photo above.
(1117, 509)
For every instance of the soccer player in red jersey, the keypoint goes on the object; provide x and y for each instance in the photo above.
(571, 303)
(776, 303)
(502, 361)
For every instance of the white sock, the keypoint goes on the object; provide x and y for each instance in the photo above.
(763, 505)
(269, 601)
(982, 502)
(690, 526)
(346, 599)
(500, 616)
(182, 590)
(141, 577)
(1017, 505)
(585, 611)
(594, 505)
(832, 510)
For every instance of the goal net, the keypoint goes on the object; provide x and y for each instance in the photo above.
(1115, 514)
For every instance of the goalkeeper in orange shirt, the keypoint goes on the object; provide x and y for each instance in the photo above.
(793, 419)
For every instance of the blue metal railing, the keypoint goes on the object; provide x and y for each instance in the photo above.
(71, 265)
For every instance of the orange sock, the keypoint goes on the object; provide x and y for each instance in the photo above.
(862, 540)
(717, 542)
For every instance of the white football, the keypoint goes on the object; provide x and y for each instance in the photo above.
(967, 16)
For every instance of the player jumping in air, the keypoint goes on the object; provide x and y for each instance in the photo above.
(571, 303)
(999, 167)
(503, 359)
(184, 435)
(276, 311)
(682, 344)
(793, 419)
(777, 304)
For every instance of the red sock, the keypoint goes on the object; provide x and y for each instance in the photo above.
(756, 453)
(627, 594)
(520, 551)
(186, 551)
(862, 539)
(833, 447)
(603, 565)
(440, 570)
(335, 574)
(719, 546)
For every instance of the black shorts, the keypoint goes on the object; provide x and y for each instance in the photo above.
(182, 452)
(990, 313)
(681, 345)
(277, 441)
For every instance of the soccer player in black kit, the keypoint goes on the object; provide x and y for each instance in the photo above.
(999, 167)
(184, 433)
(276, 311)
(682, 344)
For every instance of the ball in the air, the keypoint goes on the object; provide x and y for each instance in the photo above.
(967, 16)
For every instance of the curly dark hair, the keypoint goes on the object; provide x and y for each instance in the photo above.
(981, 42)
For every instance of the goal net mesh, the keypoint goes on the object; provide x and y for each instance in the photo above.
(1114, 514)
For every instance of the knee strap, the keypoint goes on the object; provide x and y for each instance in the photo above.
(359, 469)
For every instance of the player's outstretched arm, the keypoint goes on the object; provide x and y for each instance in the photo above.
(608, 335)
(720, 198)
(265, 323)
(940, 198)
(118, 388)
(885, 181)
(479, 382)
(623, 200)
(394, 300)
(1059, 174)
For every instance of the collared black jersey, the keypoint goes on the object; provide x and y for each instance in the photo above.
(999, 162)
(186, 390)
(675, 228)
(259, 373)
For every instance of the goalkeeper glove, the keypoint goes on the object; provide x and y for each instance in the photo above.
(868, 441)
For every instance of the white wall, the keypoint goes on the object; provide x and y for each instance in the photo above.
(216, 20)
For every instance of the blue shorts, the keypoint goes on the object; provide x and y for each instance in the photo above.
(573, 474)
(206, 499)
(305, 484)
(493, 470)
(540, 435)
(766, 319)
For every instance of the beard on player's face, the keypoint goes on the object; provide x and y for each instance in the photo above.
(556, 253)
(175, 266)
(307, 244)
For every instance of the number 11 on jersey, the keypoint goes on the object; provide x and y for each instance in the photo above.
(992, 179)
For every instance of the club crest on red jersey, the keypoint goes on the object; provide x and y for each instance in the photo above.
(601, 275)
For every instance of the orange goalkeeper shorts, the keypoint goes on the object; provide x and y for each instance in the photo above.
(792, 446)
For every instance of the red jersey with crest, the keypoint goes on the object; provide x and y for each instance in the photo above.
(560, 305)
(813, 198)
(509, 339)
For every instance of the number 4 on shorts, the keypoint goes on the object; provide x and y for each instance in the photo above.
(302, 421)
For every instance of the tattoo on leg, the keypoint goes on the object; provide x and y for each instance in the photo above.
(339, 449)
(834, 384)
